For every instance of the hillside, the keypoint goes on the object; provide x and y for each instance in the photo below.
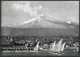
(37, 32)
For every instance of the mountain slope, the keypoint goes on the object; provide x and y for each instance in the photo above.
(37, 32)
(42, 27)
(39, 23)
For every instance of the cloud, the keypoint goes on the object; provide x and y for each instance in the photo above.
(20, 11)
(26, 8)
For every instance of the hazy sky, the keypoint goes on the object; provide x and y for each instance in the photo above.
(14, 12)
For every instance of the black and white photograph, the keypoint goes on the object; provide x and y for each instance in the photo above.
(49, 28)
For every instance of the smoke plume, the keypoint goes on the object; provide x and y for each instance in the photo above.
(26, 8)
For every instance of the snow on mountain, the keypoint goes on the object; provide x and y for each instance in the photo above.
(42, 27)
(39, 23)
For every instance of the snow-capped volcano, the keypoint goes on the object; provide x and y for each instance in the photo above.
(42, 22)
(41, 26)
(39, 22)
